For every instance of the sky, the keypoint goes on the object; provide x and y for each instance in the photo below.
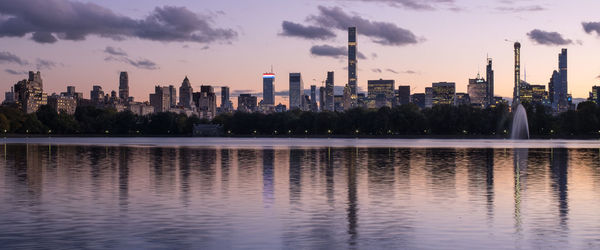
(231, 43)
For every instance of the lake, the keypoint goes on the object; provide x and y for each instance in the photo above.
(261, 193)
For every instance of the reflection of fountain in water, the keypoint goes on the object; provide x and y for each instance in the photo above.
(520, 126)
(520, 164)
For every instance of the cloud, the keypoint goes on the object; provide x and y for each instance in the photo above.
(331, 51)
(590, 27)
(49, 21)
(115, 51)
(392, 71)
(413, 4)
(376, 70)
(42, 64)
(15, 72)
(548, 38)
(308, 32)
(531, 8)
(410, 72)
(380, 32)
(7, 57)
(119, 55)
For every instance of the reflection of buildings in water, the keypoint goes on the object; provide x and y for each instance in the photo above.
(124, 153)
(441, 164)
(559, 167)
(268, 170)
(206, 162)
(520, 158)
(352, 209)
(295, 174)
(329, 174)
(380, 173)
(185, 164)
(481, 176)
(226, 160)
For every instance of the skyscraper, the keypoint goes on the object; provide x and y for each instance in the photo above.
(185, 94)
(161, 99)
(329, 83)
(322, 98)
(561, 90)
(489, 78)
(403, 94)
(478, 90)
(123, 86)
(206, 101)
(172, 96)
(296, 90)
(226, 105)
(352, 78)
(268, 89)
(517, 73)
(313, 98)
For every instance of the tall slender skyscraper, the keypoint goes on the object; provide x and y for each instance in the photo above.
(517, 73)
(561, 90)
(123, 86)
(489, 78)
(352, 78)
(329, 100)
(296, 90)
(269, 88)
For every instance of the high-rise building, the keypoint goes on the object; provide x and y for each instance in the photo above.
(172, 96)
(247, 103)
(561, 90)
(478, 91)
(443, 93)
(595, 94)
(124, 86)
(97, 95)
(428, 97)
(352, 77)
(347, 97)
(322, 98)
(517, 87)
(161, 99)
(313, 98)
(72, 93)
(296, 90)
(462, 99)
(403, 94)
(268, 89)
(206, 102)
(63, 104)
(226, 105)
(554, 81)
(29, 94)
(489, 78)
(186, 93)
(381, 93)
(329, 95)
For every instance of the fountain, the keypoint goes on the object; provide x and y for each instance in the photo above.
(520, 126)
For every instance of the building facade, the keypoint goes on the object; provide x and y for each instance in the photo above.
(352, 62)
(443, 93)
(269, 89)
(186, 94)
(124, 86)
(296, 90)
(329, 95)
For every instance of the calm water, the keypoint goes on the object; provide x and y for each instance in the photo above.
(298, 194)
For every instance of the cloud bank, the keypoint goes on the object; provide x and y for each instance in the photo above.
(51, 20)
(548, 38)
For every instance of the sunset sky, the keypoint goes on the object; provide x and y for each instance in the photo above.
(231, 43)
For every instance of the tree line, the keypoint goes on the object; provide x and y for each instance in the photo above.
(405, 120)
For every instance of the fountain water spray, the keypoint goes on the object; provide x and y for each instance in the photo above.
(520, 126)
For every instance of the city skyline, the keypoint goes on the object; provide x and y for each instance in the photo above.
(435, 54)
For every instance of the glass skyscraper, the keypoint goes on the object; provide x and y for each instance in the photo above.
(352, 61)
(329, 102)
(268, 89)
(296, 90)
(123, 86)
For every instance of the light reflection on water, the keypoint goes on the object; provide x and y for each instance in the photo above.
(85, 196)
